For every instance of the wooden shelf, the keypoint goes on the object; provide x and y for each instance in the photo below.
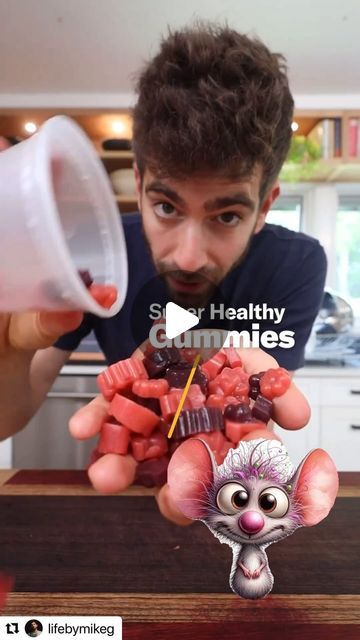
(130, 199)
(127, 204)
(116, 155)
(97, 125)
(337, 169)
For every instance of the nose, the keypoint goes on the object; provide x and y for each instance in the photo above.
(251, 522)
(190, 253)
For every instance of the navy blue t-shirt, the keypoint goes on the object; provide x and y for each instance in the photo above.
(283, 268)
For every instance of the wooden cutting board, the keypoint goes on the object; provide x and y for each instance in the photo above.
(87, 554)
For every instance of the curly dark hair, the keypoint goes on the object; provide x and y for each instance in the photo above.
(213, 101)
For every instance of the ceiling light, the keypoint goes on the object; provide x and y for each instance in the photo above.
(30, 127)
(117, 126)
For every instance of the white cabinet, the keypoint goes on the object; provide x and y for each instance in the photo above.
(334, 398)
(6, 454)
(46, 443)
(340, 436)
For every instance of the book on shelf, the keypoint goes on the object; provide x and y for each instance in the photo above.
(354, 138)
(337, 138)
(326, 136)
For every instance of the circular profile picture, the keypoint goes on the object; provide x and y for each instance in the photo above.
(33, 628)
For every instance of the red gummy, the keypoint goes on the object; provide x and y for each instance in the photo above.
(218, 444)
(104, 294)
(152, 473)
(120, 376)
(150, 388)
(215, 400)
(132, 415)
(170, 402)
(235, 431)
(274, 383)
(232, 382)
(215, 439)
(212, 367)
(114, 438)
(237, 400)
(233, 358)
(215, 388)
(196, 397)
(147, 448)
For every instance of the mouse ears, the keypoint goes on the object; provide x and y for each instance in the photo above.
(190, 475)
(316, 485)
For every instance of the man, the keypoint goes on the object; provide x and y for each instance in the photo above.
(212, 128)
(34, 630)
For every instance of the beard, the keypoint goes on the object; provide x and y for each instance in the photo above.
(205, 282)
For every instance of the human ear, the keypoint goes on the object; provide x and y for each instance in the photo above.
(272, 195)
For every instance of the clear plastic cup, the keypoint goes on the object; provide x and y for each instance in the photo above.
(58, 216)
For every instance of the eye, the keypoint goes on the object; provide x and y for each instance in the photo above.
(165, 210)
(274, 502)
(229, 219)
(231, 497)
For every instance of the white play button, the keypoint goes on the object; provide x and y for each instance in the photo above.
(178, 320)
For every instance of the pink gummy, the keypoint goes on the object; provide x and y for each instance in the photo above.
(170, 402)
(147, 448)
(235, 431)
(212, 367)
(132, 415)
(114, 438)
(120, 376)
(150, 388)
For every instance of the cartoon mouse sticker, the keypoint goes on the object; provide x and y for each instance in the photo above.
(255, 498)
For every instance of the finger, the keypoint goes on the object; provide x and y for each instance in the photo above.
(261, 433)
(168, 509)
(4, 143)
(87, 421)
(38, 330)
(291, 410)
(112, 473)
(255, 360)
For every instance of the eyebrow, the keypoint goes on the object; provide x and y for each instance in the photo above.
(229, 201)
(211, 205)
(159, 187)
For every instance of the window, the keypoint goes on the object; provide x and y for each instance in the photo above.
(286, 212)
(348, 250)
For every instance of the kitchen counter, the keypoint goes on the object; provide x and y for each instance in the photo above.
(73, 552)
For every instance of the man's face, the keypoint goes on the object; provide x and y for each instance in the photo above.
(34, 625)
(199, 228)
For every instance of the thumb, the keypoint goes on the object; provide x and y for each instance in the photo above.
(4, 144)
(38, 330)
(168, 508)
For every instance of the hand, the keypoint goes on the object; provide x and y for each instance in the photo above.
(245, 571)
(114, 473)
(32, 330)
